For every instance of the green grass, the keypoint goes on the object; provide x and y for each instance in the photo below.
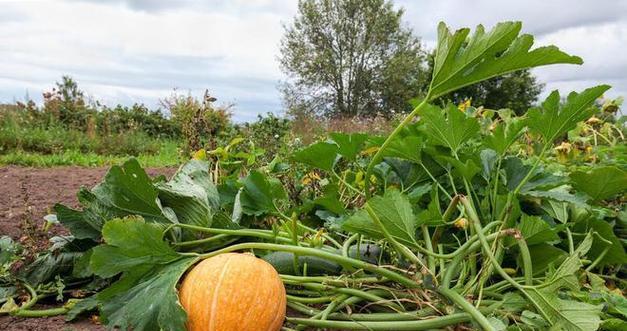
(167, 156)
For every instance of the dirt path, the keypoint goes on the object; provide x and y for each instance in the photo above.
(26, 196)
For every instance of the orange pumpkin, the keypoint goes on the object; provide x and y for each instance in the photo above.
(233, 291)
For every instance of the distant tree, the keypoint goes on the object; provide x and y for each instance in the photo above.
(67, 103)
(350, 57)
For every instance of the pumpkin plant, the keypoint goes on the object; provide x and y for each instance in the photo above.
(467, 216)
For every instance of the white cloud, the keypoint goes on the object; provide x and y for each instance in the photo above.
(125, 51)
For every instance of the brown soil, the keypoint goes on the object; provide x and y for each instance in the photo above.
(26, 196)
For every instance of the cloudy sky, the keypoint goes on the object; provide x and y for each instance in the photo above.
(126, 51)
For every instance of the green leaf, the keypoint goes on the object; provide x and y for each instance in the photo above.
(80, 224)
(407, 145)
(516, 170)
(513, 302)
(321, 155)
(616, 253)
(462, 61)
(58, 260)
(146, 299)
(504, 135)
(87, 223)
(614, 324)
(258, 194)
(557, 210)
(128, 189)
(191, 194)
(8, 250)
(452, 130)
(84, 305)
(552, 119)
(395, 213)
(467, 169)
(331, 200)
(131, 242)
(543, 255)
(560, 193)
(534, 320)
(565, 314)
(349, 145)
(535, 230)
(601, 182)
(488, 159)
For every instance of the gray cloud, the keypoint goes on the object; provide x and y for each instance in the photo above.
(126, 51)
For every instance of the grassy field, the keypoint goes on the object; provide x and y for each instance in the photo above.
(167, 156)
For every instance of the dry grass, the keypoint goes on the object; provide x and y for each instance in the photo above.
(310, 128)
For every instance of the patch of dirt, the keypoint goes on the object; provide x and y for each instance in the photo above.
(26, 196)
(56, 323)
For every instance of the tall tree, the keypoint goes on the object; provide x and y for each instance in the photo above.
(350, 57)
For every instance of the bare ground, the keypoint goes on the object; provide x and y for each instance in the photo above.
(26, 196)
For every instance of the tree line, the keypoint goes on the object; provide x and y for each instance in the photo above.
(359, 58)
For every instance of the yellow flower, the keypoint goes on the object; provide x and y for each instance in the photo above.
(464, 105)
(594, 120)
(461, 223)
(200, 154)
(310, 178)
(370, 151)
(564, 147)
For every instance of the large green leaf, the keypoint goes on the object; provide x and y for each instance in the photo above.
(349, 145)
(321, 155)
(601, 182)
(565, 314)
(467, 169)
(516, 171)
(407, 148)
(504, 135)
(128, 189)
(87, 223)
(544, 255)
(462, 61)
(146, 299)
(78, 222)
(395, 213)
(259, 193)
(145, 296)
(451, 130)
(191, 194)
(535, 230)
(553, 119)
(616, 251)
(131, 242)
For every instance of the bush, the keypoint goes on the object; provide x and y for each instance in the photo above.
(201, 123)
